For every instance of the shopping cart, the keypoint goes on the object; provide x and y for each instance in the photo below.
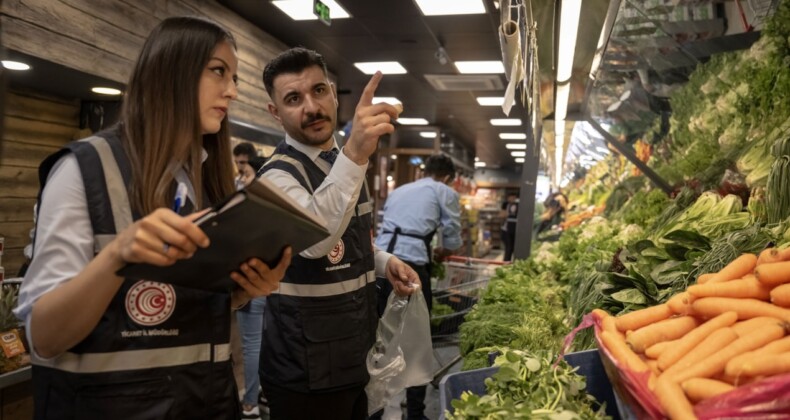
(454, 295)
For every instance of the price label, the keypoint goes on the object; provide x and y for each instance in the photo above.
(12, 345)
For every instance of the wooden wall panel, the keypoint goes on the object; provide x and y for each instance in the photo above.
(104, 38)
(35, 127)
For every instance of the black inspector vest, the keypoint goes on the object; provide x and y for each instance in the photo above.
(159, 351)
(322, 321)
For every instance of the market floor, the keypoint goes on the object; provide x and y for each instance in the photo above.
(443, 356)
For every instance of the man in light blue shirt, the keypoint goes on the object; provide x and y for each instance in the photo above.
(412, 214)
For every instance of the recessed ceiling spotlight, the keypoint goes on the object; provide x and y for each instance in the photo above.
(386, 99)
(385, 67)
(428, 134)
(454, 7)
(506, 121)
(105, 90)
(512, 136)
(15, 65)
(480, 67)
(490, 100)
(412, 121)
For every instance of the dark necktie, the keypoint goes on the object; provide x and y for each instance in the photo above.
(329, 155)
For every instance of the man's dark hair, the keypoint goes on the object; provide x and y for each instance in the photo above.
(245, 149)
(294, 60)
(439, 166)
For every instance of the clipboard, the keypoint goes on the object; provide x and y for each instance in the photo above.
(258, 221)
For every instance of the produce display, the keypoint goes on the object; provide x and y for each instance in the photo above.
(527, 386)
(724, 336)
(690, 291)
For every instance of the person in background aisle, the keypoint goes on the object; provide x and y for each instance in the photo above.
(510, 213)
(556, 204)
(105, 347)
(412, 215)
(322, 321)
(243, 154)
(250, 317)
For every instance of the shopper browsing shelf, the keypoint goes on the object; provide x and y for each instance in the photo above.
(412, 215)
(105, 347)
(321, 322)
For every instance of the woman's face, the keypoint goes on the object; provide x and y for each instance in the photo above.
(217, 87)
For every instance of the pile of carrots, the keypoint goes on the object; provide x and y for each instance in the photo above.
(728, 330)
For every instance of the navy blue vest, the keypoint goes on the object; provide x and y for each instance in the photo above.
(322, 321)
(159, 351)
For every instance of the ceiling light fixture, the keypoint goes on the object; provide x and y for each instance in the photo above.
(480, 67)
(386, 99)
(506, 122)
(15, 65)
(569, 27)
(512, 136)
(428, 134)
(519, 160)
(480, 164)
(490, 100)
(518, 154)
(412, 121)
(455, 7)
(105, 90)
(516, 146)
(385, 67)
(303, 9)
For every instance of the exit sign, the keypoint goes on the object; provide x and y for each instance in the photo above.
(322, 11)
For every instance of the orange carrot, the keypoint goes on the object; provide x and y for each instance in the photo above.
(609, 324)
(745, 288)
(673, 400)
(771, 255)
(669, 329)
(775, 347)
(653, 365)
(773, 274)
(698, 389)
(681, 303)
(638, 319)
(600, 314)
(713, 343)
(655, 350)
(738, 268)
(622, 353)
(744, 327)
(718, 361)
(780, 295)
(777, 364)
(694, 337)
(746, 308)
(703, 278)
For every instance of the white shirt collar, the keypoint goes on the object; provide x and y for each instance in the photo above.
(310, 151)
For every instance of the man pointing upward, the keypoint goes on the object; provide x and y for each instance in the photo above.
(323, 319)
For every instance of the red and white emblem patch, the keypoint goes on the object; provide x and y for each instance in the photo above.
(150, 303)
(336, 254)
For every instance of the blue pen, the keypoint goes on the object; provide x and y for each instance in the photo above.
(180, 198)
(178, 203)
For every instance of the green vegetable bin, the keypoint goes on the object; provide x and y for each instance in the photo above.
(589, 363)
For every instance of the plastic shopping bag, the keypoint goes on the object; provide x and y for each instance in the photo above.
(402, 355)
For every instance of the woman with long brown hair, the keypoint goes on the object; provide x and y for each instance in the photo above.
(107, 347)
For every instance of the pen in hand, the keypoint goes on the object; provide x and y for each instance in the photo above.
(178, 202)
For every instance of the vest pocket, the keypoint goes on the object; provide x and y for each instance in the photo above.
(336, 345)
(147, 399)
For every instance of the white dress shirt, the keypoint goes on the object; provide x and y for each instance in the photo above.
(334, 200)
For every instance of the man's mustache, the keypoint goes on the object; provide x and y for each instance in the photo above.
(314, 118)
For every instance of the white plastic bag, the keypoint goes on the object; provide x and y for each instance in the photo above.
(402, 355)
